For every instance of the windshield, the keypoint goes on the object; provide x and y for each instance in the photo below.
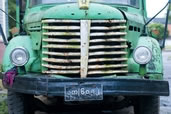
(133, 3)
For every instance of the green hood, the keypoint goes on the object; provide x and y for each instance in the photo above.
(72, 11)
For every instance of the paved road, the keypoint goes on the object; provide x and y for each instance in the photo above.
(166, 101)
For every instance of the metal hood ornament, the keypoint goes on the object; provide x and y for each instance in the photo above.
(84, 4)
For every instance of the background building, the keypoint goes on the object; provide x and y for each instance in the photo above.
(3, 22)
(3, 17)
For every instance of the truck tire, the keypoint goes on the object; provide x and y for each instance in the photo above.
(147, 105)
(17, 103)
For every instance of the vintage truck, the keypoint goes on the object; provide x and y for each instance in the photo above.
(83, 54)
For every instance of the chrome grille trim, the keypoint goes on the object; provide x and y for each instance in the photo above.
(108, 34)
(107, 53)
(60, 21)
(108, 21)
(107, 66)
(107, 28)
(61, 54)
(60, 34)
(61, 72)
(61, 67)
(61, 28)
(105, 47)
(85, 39)
(60, 40)
(104, 59)
(108, 40)
(61, 45)
(107, 72)
(61, 60)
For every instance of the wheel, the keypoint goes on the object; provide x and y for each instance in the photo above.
(19, 103)
(147, 105)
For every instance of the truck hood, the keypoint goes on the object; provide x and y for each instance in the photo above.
(72, 11)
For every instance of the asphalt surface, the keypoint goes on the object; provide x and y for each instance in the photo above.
(165, 102)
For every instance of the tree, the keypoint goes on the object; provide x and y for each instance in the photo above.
(12, 12)
(156, 30)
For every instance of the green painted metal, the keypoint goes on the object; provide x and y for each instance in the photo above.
(25, 42)
(36, 40)
(17, 14)
(135, 18)
(155, 65)
(133, 67)
(72, 11)
(144, 7)
(134, 21)
(142, 70)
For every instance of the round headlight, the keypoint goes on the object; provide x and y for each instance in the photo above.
(142, 55)
(19, 56)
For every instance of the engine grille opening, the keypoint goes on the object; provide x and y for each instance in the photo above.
(61, 45)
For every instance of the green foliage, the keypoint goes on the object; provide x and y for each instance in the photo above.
(0, 68)
(170, 15)
(156, 30)
(12, 12)
(3, 104)
(3, 108)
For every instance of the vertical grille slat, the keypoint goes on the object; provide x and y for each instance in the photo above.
(62, 48)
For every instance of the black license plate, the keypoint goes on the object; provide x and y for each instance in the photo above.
(85, 92)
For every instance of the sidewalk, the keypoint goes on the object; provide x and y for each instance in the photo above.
(168, 45)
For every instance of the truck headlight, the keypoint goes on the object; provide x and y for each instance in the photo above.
(142, 55)
(19, 56)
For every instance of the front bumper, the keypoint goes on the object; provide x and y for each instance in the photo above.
(45, 85)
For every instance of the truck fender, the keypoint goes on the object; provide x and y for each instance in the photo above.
(18, 41)
(155, 65)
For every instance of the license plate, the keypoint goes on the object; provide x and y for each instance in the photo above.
(85, 92)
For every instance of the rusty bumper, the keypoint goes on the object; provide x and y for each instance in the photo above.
(45, 85)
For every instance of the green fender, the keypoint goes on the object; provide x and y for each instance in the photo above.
(20, 41)
(155, 65)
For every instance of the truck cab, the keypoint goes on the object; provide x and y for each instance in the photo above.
(84, 51)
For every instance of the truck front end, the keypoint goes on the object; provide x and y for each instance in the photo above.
(85, 51)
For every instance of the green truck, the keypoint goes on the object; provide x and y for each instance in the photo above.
(83, 54)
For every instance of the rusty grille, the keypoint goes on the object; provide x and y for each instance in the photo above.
(61, 48)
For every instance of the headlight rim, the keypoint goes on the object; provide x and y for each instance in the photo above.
(140, 62)
(27, 55)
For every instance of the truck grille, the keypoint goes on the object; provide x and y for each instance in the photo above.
(61, 48)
